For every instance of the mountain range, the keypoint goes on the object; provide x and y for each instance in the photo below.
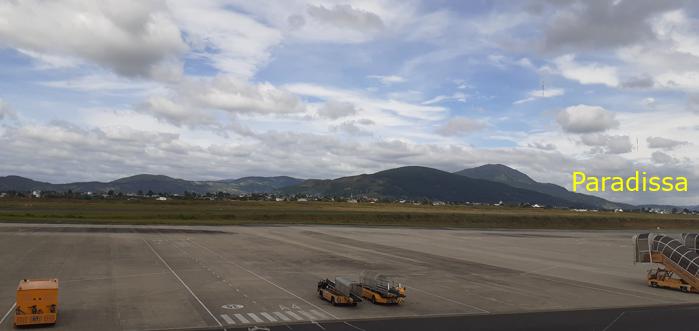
(489, 183)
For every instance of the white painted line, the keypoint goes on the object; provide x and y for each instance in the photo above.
(309, 316)
(8, 313)
(269, 317)
(254, 317)
(183, 283)
(318, 314)
(292, 314)
(228, 319)
(355, 327)
(282, 316)
(241, 318)
(264, 279)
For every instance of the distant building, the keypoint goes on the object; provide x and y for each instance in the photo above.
(352, 200)
(536, 205)
(161, 198)
(279, 199)
(36, 194)
(302, 200)
(2, 195)
(439, 203)
(618, 210)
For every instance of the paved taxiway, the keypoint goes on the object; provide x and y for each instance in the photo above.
(160, 278)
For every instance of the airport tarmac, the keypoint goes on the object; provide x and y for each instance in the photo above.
(179, 278)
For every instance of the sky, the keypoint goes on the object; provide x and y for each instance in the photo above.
(98, 90)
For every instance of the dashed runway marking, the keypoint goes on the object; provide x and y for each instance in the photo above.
(248, 318)
(292, 314)
(255, 318)
(269, 317)
(282, 316)
(241, 318)
(228, 319)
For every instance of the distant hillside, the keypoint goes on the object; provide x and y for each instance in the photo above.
(261, 184)
(155, 183)
(17, 183)
(506, 175)
(416, 183)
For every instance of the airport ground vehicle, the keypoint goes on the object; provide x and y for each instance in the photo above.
(379, 289)
(679, 268)
(340, 292)
(660, 277)
(37, 302)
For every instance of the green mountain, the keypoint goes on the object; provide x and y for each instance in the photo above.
(417, 183)
(155, 183)
(503, 174)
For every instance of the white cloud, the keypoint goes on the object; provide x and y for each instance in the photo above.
(103, 83)
(176, 113)
(664, 143)
(382, 110)
(586, 119)
(237, 96)
(234, 43)
(388, 80)
(589, 73)
(613, 144)
(457, 126)
(334, 109)
(345, 16)
(541, 94)
(6, 112)
(663, 158)
(457, 96)
(130, 38)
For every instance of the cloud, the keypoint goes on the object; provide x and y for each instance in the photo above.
(346, 17)
(238, 49)
(663, 158)
(237, 96)
(384, 111)
(595, 25)
(664, 143)
(591, 73)
(6, 112)
(353, 128)
(131, 38)
(175, 113)
(612, 144)
(457, 126)
(541, 94)
(586, 119)
(542, 146)
(693, 102)
(457, 96)
(195, 101)
(638, 82)
(334, 109)
(388, 80)
(102, 83)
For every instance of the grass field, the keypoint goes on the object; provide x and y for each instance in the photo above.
(191, 212)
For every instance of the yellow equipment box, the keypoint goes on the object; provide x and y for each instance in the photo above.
(37, 302)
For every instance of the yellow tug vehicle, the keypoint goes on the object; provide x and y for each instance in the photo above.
(37, 302)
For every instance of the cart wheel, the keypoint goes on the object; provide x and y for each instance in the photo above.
(320, 294)
(332, 300)
(684, 289)
(373, 299)
(653, 284)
